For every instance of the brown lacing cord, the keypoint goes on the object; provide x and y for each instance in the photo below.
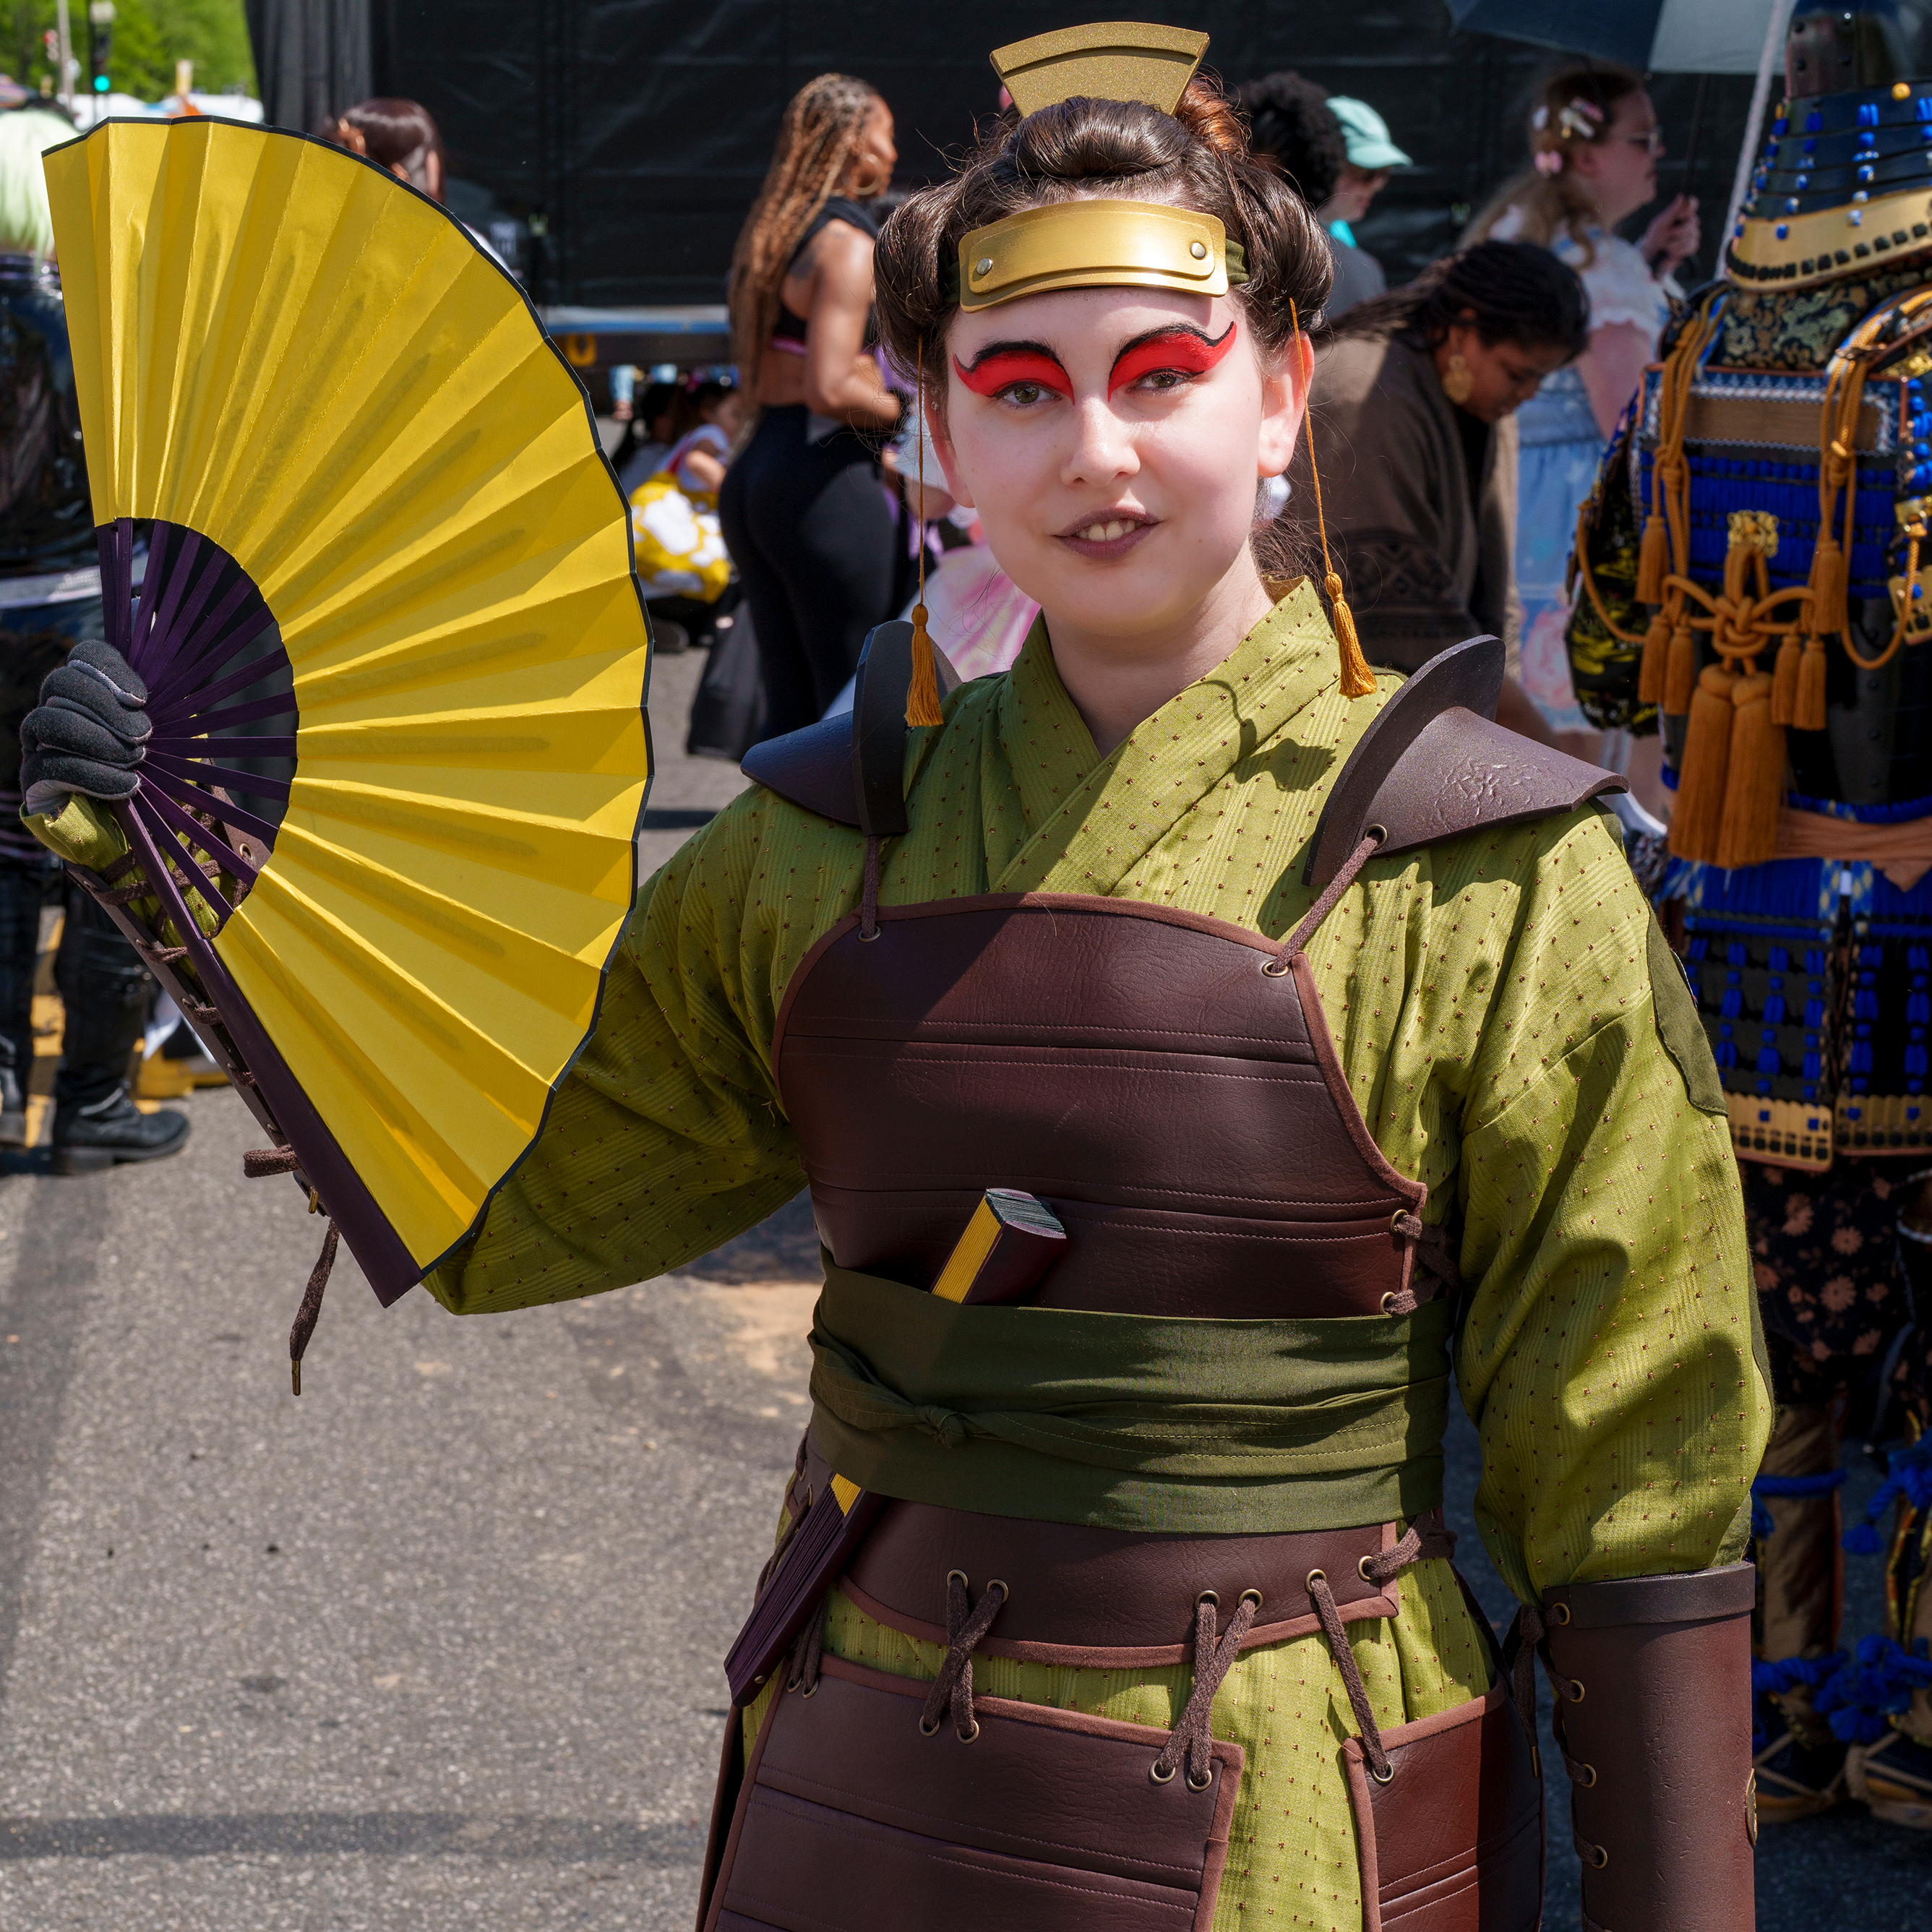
(964, 1628)
(137, 888)
(303, 1324)
(808, 1652)
(1521, 1648)
(868, 901)
(257, 1164)
(1214, 1657)
(1435, 1256)
(1381, 1568)
(1297, 939)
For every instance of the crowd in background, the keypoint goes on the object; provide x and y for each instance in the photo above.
(781, 507)
(1457, 421)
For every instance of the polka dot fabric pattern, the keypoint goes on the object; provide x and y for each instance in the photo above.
(1490, 1002)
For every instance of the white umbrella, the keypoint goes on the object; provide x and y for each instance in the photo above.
(1653, 36)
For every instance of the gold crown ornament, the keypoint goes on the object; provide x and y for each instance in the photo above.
(1092, 243)
(1111, 60)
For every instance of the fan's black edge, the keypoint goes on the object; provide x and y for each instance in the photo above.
(637, 589)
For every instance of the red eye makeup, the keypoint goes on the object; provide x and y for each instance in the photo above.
(999, 368)
(1186, 351)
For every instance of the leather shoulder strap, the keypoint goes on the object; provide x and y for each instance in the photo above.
(1434, 763)
(850, 768)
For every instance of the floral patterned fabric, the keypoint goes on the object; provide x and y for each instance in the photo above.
(1798, 328)
(1825, 1248)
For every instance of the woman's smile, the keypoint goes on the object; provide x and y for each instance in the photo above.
(1110, 534)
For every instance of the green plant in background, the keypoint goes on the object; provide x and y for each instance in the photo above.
(149, 37)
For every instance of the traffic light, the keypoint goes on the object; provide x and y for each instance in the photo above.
(100, 41)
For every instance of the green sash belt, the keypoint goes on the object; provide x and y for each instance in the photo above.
(1129, 1421)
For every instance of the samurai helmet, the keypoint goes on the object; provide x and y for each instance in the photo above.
(1843, 185)
(1855, 44)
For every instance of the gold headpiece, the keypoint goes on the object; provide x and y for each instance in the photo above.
(1114, 60)
(1093, 243)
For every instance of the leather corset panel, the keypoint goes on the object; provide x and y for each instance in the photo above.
(1181, 1110)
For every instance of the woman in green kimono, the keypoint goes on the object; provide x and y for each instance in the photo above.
(1329, 1022)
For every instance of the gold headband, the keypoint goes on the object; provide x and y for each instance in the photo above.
(1097, 245)
(1093, 243)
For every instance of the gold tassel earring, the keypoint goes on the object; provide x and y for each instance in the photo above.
(1357, 680)
(923, 693)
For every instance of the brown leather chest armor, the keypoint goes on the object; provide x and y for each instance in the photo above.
(1178, 1106)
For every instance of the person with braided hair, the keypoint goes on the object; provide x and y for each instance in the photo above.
(1417, 389)
(805, 515)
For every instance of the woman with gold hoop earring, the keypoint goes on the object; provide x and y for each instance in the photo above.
(1417, 390)
(806, 522)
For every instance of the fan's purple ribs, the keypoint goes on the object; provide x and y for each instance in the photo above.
(197, 611)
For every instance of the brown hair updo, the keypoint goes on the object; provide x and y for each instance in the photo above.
(1196, 157)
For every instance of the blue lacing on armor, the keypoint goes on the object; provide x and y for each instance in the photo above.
(1857, 1698)
(1820, 1485)
(1909, 1476)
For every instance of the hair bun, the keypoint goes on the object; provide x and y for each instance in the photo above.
(1207, 114)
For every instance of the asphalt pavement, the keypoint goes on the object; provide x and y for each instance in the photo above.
(437, 1645)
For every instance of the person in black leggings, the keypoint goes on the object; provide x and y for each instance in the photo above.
(806, 512)
(812, 530)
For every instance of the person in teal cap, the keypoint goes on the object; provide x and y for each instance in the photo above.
(1372, 156)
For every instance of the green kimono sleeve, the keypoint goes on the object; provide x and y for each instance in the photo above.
(1611, 1354)
(666, 1138)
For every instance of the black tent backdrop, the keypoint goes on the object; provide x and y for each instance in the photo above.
(632, 134)
(311, 58)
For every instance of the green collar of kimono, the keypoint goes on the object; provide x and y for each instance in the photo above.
(1089, 818)
(1131, 1422)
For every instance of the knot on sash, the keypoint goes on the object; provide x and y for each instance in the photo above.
(947, 1426)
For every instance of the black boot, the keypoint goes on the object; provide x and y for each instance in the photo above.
(87, 1139)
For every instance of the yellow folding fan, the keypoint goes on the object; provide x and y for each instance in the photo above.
(396, 653)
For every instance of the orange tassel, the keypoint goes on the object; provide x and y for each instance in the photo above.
(1699, 811)
(1828, 615)
(1651, 672)
(1357, 680)
(1680, 674)
(1784, 683)
(1653, 560)
(1807, 714)
(923, 693)
(1754, 778)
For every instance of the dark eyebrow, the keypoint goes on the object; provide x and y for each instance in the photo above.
(1167, 330)
(1015, 348)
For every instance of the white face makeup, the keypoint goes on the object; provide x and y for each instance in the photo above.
(1114, 457)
